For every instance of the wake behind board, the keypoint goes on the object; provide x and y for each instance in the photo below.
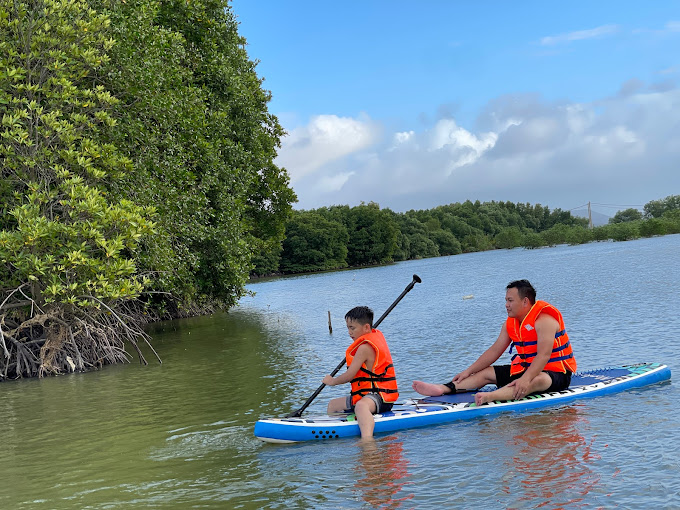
(447, 408)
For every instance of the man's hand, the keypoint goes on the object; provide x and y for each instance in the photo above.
(521, 387)
(463, 375)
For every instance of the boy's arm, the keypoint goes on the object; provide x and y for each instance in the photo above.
(363, 353)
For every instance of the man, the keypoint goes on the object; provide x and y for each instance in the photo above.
(544, 360)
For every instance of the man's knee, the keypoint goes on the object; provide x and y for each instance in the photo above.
(489, 373)
(541, 382)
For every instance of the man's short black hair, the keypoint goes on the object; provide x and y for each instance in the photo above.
(361, 314)
(524, 289)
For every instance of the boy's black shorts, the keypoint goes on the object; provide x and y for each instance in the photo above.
(559, 380)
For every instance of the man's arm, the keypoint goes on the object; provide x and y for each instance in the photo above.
(364, 354)
(546, 328)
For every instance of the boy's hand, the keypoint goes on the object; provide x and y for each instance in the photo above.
(329, 380)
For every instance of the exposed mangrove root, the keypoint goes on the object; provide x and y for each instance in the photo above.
(40, 341)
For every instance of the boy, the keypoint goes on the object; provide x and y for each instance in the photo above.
(370, 370)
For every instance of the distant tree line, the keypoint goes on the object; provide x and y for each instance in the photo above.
(342, 236)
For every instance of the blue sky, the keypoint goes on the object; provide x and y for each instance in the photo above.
(420, 104)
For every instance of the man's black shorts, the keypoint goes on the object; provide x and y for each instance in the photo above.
(559, 380)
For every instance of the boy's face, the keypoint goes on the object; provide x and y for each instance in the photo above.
(356, 329)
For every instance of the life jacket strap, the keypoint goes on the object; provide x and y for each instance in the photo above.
(366, 391)
(373, 379)
(363, 369)
(527, 362)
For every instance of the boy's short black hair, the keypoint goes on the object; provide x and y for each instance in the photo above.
(361, 314)
(524, 289)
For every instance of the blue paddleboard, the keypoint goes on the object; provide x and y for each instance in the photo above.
(447, 408)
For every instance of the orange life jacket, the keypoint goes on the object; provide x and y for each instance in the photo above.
(380, 378)
(525, 340)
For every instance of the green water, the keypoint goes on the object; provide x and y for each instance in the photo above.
(170, 435)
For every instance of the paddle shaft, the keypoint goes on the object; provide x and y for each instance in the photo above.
(298, 413)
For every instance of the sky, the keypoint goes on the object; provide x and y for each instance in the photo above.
(413, 105)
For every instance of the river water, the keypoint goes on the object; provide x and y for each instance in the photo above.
(180, 434)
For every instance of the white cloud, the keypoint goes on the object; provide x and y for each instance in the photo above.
(673, 26)
(670, 28)
(580, 35)
(622, 149)
(335, 182)
(325, 139)
(404, 137)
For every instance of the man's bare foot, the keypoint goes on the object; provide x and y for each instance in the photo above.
(429, 389)
(482, 397)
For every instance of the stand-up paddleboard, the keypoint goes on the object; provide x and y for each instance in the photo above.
(461, 406)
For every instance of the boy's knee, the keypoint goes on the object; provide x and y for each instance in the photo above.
(366, 404)
(336, 405)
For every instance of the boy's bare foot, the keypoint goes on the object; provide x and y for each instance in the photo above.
(429, 389)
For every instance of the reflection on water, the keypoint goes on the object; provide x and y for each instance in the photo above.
(382, 473)
(551, 463)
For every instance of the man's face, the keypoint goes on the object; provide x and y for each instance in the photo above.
(514, 305)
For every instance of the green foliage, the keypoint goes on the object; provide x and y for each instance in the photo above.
(267, 260)
(79, 255)
(193, 117)
(63, 235)
(660, 226)
(314, 243)
(532, 240)
(372, 235)
(627, 215)
(445, 242)
(477, 242)
(657, 208)
(137, 154)
(566, 234)
(672, 220)
(469, 227)
(455, 228)
(413, 239)
(509, 237)
(618, 231)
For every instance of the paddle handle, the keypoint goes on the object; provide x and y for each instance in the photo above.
(416, 279)
(298, 413)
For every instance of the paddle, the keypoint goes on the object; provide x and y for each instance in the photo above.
(298, 413)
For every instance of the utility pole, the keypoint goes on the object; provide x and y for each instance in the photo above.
(590, 217)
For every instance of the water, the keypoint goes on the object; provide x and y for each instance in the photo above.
(179, 435)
